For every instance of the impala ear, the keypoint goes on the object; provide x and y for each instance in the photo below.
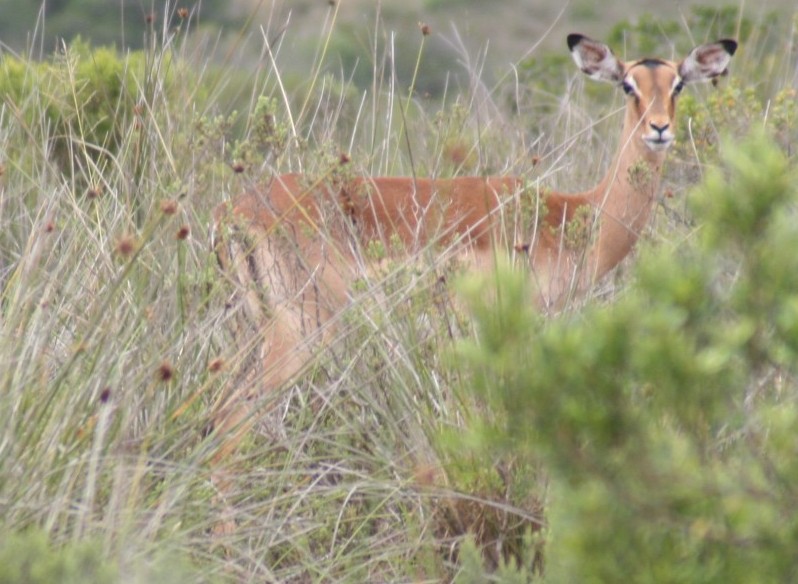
(707, 61)
(595, 59)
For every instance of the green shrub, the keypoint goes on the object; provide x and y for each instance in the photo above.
(666, 419)
(87, 98)
(28, 558)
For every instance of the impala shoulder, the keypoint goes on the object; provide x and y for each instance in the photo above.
(242, 206)
(562, 208)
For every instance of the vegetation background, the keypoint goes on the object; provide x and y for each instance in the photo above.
(646, 433)
(506, 30)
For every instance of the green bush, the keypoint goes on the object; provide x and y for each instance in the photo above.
(667, 419)
(28, 558)
(88, 97)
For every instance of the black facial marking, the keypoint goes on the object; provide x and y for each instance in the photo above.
(651, 63)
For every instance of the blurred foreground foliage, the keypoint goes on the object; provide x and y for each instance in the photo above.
(30, 558)
(667, 419)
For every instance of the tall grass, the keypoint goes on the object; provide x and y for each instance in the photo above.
(116, 324)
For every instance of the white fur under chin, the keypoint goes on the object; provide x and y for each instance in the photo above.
(658, 145)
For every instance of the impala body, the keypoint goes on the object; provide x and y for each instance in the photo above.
(294, 246)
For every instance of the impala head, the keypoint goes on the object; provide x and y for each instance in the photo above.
(652, 85)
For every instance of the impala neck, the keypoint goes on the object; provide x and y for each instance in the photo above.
(624, 199)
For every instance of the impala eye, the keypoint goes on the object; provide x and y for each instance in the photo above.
(628, 88)
(678, 88)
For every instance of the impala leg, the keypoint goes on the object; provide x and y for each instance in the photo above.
(277, 359)
(282, 305)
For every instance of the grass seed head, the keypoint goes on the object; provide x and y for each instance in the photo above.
(426, 475)
(165, 372)
(168, 207)
(183, 232)
(126, 246)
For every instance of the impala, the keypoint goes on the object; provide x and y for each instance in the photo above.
(294, 260)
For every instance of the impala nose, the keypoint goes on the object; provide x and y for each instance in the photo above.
(659, 129)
